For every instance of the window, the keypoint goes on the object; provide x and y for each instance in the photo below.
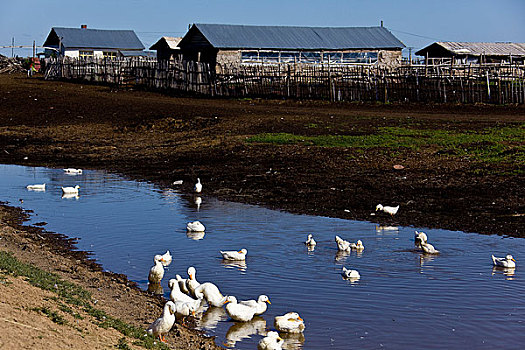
(360, 57)
(85, 54)
(109, 54)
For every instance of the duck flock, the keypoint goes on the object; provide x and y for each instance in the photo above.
(188, 296)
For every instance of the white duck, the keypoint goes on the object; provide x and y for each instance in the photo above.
(342, 244)
(73, 171)
(70, 190)
(351, 274)
(310, 241)
(198, 186)
(357, 246)
(289, 323)
(195, 226)
(178, 182)
(36, 187)
(163, 324)
(210, 292)
(179, 297)
(507, 261)
(389, 210)
(428, 248)
(272, 341)
(157, 271)
(166, 258)
(239, 312)
(420, 237)
(260, 304)
(183, 310)
(182, 284)
(234, 254)
(191, 281)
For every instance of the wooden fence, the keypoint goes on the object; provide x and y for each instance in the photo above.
(474, 83)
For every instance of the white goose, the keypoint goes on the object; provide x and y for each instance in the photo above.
(310, 241)
(198, 186)
(272, 341)
(182, 284)
(351, 274)
(166, 258)
(342, 244)
(70, 190)
(73, 171)
(234, 254)
(210, 292)
(183, 310)
(178, 297)
(195, 226)
(357, 246)
(389, 210)
(289, 323)
(157, 271)
(239, 312)
(163, 324)
(191, 281)
(428, 248)
(36, 187)
(260, 304)
(507, 261)
(420, 237)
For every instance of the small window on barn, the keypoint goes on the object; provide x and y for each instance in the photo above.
(85, 54)
(360, 57)
(332, 57)
(269, 56)
(311, 57)
(249, 56)
(109, 54)
(288, 57)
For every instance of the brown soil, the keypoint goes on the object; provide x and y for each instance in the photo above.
(23, 327)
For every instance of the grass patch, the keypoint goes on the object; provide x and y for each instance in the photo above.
(53, 315)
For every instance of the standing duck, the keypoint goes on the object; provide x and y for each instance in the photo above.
(191, 281)
(198, 186)
(389, 210)
(163, 324)
(157, 271)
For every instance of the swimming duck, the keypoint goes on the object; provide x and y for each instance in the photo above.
(310, 241)
(260, 304)
(198, 186)
(73, 171)
(272, 341)
(289, 323)
(36, 187)
(70, 190)
(389, 210)
(191, 282)
(182, 284)
(342, 244)
(195, 226)
(420, 237)
(166, 258)
(163, 324)
(357, 246)
(351, 274)
(239, 312)
(177, 296)
(234, 255)
(157, 271)
(428, 248)
(178, 182)
(507, 261)
(210, 292)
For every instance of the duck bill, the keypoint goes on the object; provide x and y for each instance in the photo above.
(268, 301)
(225, 302)
(513, 260)
(193, 313)
(299, 317)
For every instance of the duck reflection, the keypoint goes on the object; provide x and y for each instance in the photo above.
(242, 330)
(155, 288)
(341, 256)
(211, 317)
(70, 195)
(508, 272)
(425, 259)
(198, 202)
(195, 235)
(380, 229)
(235, 264)
(292, 341)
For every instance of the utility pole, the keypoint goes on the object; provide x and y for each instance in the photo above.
(13, 47)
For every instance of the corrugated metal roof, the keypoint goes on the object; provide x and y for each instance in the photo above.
(94, 38)
(307, 38)
(171, 42)
(478, 49)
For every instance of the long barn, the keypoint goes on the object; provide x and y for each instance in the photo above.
(243, 44)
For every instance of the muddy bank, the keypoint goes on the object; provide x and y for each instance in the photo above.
(163, 138)
(42, 318)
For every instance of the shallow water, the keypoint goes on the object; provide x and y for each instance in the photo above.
(403, 300)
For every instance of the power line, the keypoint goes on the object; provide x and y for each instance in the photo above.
(419, 36)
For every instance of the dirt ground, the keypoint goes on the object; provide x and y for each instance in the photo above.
(24, 328)
(161, 138)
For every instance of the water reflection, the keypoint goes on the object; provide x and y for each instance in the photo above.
(341, 256)
(155, 288)
(234, 264)
(425, 259)
(242, 330)
(508, 272)
(195, 235)
(198, 202)
(292, 341)
(380, 229)
(212, 317)
(70, 196)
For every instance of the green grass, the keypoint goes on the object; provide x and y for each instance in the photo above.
(53, 315)
(491, 145)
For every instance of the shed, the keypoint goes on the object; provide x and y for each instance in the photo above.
(245, 44)
(83, 42)
(167, 48)
(466, 52)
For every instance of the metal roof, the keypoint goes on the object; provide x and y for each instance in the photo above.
(478, 49)
(94, 38)
(306, 38)
(169, 41)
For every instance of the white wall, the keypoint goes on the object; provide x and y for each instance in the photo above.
(71, 53)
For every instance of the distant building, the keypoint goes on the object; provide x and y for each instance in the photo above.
(95, 43)
(465, 52)
(167, 48)
(243, 44)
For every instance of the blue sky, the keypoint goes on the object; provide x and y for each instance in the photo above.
(416, 23)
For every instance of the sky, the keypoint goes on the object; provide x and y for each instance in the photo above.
(416, 23)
